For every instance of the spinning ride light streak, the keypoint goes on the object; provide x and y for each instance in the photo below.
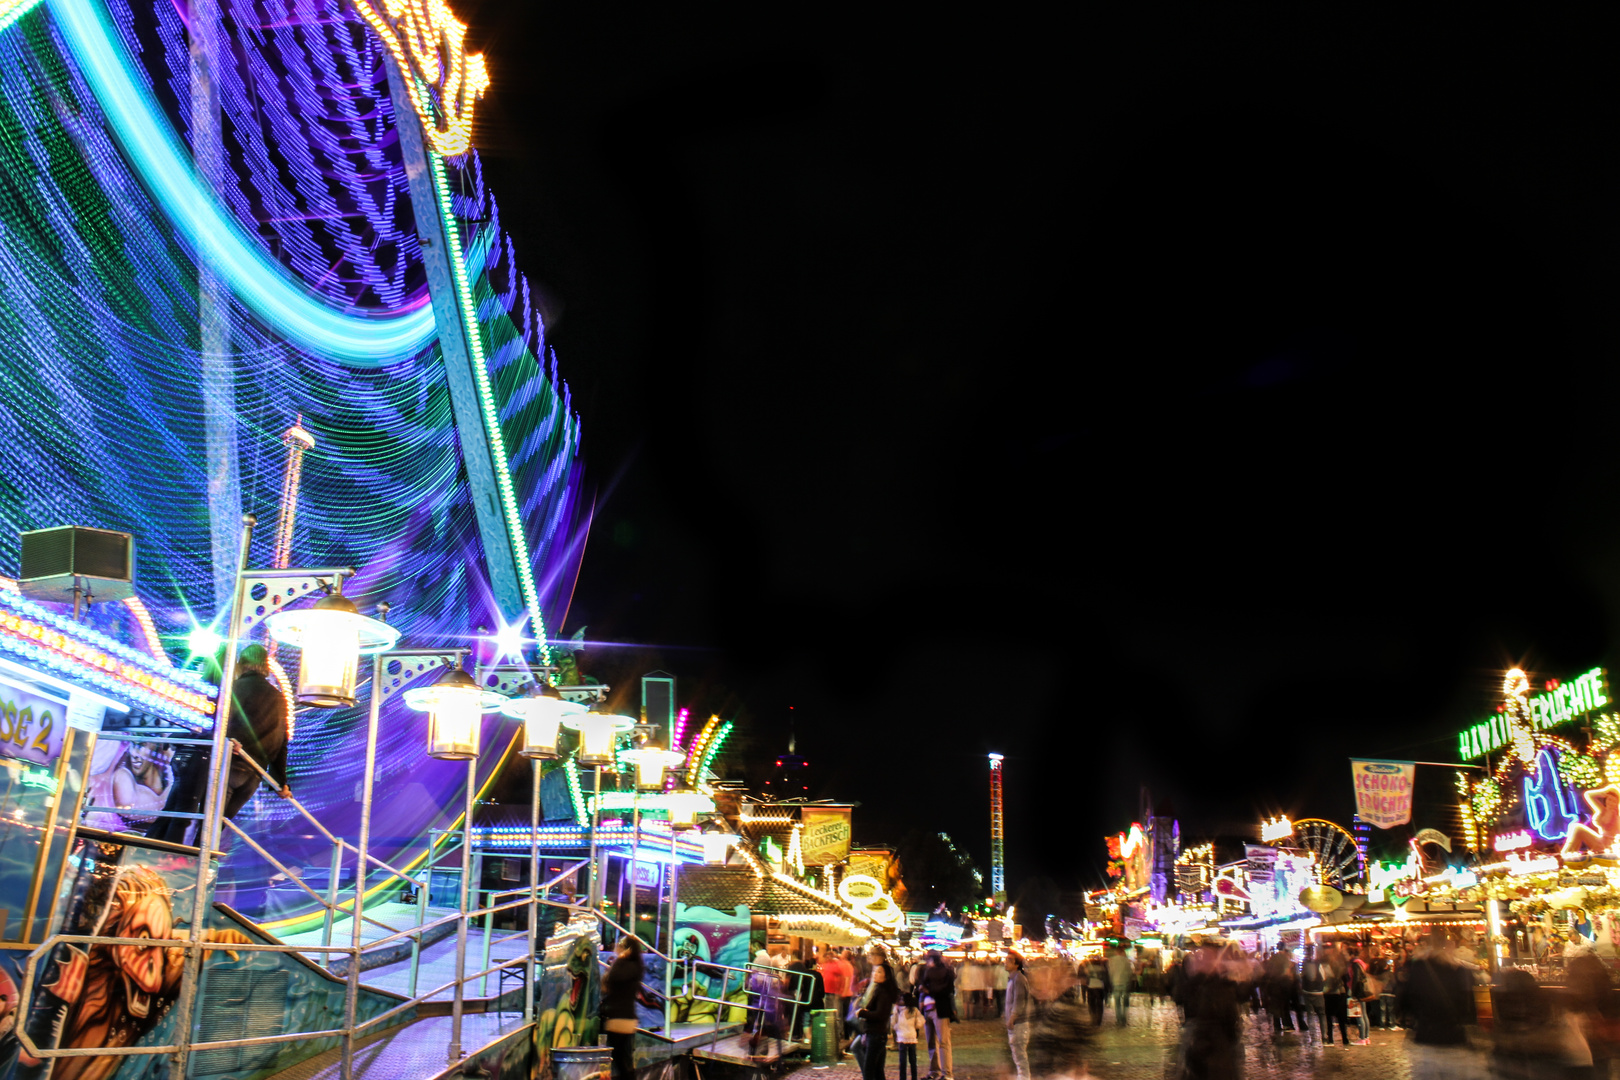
(365, 340)
(99, 307)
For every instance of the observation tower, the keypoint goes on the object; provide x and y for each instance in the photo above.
(998, 866)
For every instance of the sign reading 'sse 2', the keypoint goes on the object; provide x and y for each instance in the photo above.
(1562, 702)
(1383, 791)
(30, 726)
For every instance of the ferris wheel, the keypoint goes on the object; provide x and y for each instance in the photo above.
(1335, 850)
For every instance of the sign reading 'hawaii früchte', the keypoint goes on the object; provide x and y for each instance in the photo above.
(1383, 791)
(1562, 701)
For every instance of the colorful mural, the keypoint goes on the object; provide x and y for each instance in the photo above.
(123, 995)
(710, 936)
(570, 990)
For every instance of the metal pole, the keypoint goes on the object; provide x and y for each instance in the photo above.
(219, 770)
(421, 906)
(489, 921)
(635, 846)
(461, 923)
(596, 815)
(331, 899)
(669, 940)
(351, 992)
(534, 891)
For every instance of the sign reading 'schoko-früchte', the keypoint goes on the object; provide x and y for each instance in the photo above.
(1383, 791)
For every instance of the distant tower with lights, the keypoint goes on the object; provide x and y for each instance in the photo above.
(998, 865)
(297, 440)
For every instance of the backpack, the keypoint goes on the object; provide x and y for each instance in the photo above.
(1358, 981)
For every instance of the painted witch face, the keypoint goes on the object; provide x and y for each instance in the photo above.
(141, 966)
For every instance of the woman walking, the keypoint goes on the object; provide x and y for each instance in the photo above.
(876, 1006)
(620, 986)
(1018, 1012)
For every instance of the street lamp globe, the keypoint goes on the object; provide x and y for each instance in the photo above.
(331, 636)
(650, 763)
(455, 706)
(542, 711)
(597, 733)
(684, 805)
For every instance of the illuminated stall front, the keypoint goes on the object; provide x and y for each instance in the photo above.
(1544, 814)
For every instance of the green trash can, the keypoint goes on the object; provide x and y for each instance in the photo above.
(823, 1037)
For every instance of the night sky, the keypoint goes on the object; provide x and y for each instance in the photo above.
(1193, 401)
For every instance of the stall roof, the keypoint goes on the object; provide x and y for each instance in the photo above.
(725, 887)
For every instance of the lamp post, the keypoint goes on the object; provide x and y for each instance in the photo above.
(345, 634)
(650, 762)
(455, 705)
(597, 734)
(542, 710)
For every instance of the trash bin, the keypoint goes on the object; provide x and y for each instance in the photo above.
(823, 1037)
(581, 1062)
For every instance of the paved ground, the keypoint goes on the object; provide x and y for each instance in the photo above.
(1145, 1049)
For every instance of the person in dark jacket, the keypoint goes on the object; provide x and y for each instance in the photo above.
(1438, 995)
(620, 988)
(259, 723)
(882, 992)
(939, 1009)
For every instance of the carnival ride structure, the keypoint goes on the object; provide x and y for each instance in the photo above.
(215, 228)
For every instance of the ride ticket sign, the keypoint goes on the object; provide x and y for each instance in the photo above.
(1383, 791)
(31, 726)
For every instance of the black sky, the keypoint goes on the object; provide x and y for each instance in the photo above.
(1189, 400)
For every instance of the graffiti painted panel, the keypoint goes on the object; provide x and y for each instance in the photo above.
(570, 990)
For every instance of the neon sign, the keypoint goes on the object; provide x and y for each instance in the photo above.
(1587, 840)
(1280, 829)
(430, 44)
(1513, 841)
(1559, 704)
(1547, 801)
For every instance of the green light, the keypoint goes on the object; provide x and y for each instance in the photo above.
(204, 641)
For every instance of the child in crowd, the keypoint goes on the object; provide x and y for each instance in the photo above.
(908, 1024)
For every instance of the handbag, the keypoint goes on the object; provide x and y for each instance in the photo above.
(857, 1046)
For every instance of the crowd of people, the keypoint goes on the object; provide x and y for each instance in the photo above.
(1424, 988)
(1333, 995)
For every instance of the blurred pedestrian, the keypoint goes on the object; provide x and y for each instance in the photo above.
(1019, 1012)
(998, 988)
(1335, 995)
(1361, 993)
(1311, 991)
(1438, 996)
(876, 1007)
(621, 985)
(804, 985)
(1094, 976)
(1594, 1002)
(1279, 989)
(836, 976)
(1530, 1038)
(938, 1000)
(1121, 973)
(1214, 989)
(909, 1025)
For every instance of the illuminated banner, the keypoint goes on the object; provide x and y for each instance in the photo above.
(872, 862)
(1560, 703)
(825, 838)
(1383, 791)
(31, 726)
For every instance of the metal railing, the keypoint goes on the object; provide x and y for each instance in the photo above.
(532, 897)
(723, 1005)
